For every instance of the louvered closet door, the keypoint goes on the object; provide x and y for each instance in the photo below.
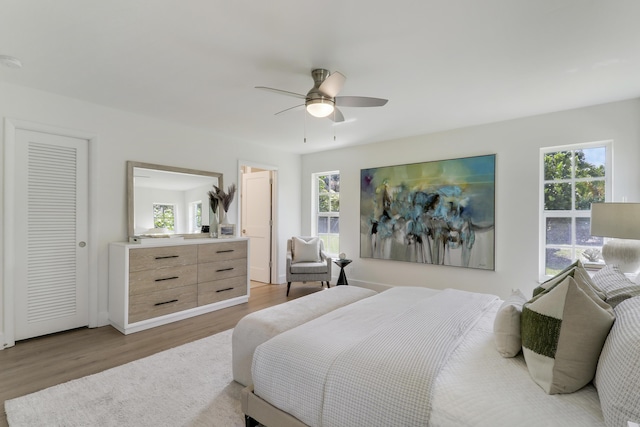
(51, 212)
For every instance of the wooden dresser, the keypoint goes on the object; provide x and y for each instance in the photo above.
(160, 282)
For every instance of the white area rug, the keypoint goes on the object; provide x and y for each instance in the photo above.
(190, 385)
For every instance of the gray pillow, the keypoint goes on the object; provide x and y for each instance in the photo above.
(506, 326)
(615, 284)
(618, 374)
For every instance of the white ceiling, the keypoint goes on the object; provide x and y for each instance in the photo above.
(442, 64)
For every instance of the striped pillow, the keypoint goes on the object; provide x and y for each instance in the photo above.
(618, 374)
(615, 284)
(563, 331)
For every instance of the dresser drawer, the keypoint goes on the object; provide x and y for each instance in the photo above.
(210, 271)
(222, 251)
(161, 257)
(145, 281)
(154, 304)
(220, 290)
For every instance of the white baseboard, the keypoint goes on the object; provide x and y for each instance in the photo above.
(3, 343)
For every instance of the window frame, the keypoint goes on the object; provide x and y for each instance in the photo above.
(573, 213)
(315, 214)
(193, 222)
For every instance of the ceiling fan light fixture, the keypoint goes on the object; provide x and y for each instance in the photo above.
(320, 107)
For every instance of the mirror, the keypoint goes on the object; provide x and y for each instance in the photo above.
(166, 200)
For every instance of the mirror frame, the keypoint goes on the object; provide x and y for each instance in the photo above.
(131, 192)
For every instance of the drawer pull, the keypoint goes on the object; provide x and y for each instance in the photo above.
(225, 289)
(167, 278)
(228, 250)
(224, 269)
(165, 302)
(167, 257)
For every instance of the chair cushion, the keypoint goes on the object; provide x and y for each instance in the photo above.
(305, 250)
(309, 268)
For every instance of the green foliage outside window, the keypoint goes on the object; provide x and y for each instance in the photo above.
(573, 180)
(163, 216)
(558, 195)
(328, 214)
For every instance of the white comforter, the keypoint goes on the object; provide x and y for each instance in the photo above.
(478, 387)
(372, 363)
(387, 361)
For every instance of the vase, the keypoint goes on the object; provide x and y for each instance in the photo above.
(224, 220)
(213, 225)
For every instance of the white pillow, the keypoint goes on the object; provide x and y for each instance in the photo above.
(306, 251)
(506, 326)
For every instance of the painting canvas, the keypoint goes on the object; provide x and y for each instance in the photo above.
(440, 212)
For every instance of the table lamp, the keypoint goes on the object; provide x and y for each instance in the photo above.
(622, 222)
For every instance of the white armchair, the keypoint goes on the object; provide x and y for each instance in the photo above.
(307, 261)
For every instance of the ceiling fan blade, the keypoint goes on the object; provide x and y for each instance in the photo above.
(336, 116)
(282, 92)
(289, 109)
(360, 101)
(332, 84)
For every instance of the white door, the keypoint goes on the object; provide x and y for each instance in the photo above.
(256, 222)
(51, 228)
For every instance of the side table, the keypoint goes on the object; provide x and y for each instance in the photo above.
(342, 263)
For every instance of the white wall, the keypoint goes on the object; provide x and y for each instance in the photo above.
(123, 136)
(516, 144)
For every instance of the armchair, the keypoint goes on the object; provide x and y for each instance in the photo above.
(307, 261)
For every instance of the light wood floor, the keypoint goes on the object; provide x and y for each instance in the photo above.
(42, 362)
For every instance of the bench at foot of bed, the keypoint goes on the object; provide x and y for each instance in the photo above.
(258, 412)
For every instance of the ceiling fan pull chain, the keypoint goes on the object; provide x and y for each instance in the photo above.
(333, 126)
(305, 126)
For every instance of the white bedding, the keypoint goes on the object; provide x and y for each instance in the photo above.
(306, 371)
(478, 387)
(371, 363)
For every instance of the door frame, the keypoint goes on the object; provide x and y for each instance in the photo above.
(274, 210)
(10, 127)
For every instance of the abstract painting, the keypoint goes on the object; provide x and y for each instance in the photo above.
(440, 212)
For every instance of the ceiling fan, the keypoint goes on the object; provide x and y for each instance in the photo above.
(322, 99)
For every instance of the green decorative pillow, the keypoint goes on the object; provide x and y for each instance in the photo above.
(559, 277)
(563, 331)
(575, 270)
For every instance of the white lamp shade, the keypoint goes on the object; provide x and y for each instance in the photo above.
(621, 220)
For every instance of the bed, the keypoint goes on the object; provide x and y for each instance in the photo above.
(414, 356)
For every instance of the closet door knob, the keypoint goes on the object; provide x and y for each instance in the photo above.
(82, 244)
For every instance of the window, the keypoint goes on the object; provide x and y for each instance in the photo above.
(326, 190)
(164, 216)
(573, 177)
(195, 216)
